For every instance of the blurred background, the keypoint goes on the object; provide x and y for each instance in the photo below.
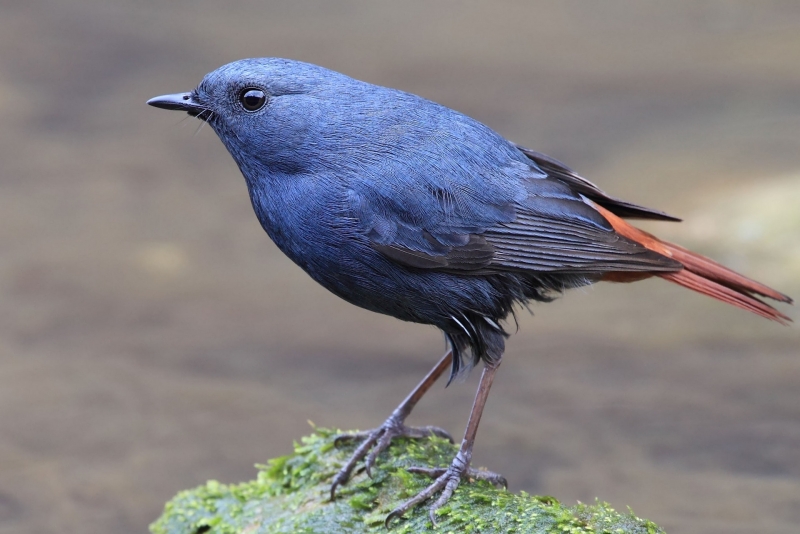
(152, 337)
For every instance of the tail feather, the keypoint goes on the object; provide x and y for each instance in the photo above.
(702, 274)
(706, 286)
(708, 268)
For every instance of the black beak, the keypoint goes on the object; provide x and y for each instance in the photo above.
(180, 102)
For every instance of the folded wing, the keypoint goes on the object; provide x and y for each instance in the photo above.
(542, 225)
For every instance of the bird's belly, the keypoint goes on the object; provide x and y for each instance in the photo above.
(367, 279)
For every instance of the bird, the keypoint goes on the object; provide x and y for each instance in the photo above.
(410, 209)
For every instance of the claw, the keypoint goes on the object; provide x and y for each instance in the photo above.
(382, 445)
(446, 480)
(374, 442)
(432, 472)
(393, 427)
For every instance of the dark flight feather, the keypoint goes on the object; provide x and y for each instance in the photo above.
(619, 207)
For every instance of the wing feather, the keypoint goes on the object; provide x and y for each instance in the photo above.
(514, 218)
(619, 207)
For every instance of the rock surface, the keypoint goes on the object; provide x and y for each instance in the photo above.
(291, 495)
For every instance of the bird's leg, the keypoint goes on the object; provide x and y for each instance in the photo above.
(380, 438)
(447, 480)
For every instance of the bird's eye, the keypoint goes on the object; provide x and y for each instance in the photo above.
(252, 99)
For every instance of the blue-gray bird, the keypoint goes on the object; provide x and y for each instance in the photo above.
(408, 208)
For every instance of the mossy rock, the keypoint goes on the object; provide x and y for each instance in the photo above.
(291, 495)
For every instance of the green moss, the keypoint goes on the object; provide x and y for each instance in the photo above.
(291, 495)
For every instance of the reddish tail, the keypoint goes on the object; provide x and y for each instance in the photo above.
(701, 274)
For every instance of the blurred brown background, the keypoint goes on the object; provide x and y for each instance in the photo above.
(152, 337)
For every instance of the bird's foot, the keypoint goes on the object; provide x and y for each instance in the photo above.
(446, 480)
(374, 442)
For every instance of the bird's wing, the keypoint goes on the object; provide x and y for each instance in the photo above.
(527, 221)
(618, 207)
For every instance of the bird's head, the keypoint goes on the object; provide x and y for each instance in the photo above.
(268, 112)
